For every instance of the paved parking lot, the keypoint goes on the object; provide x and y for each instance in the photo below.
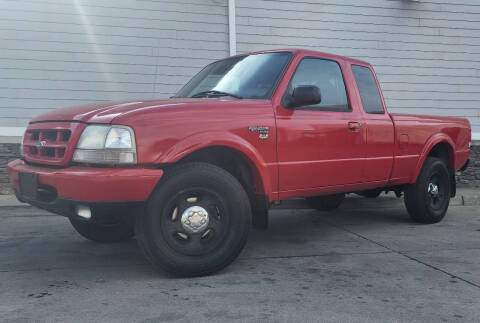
(365, 262)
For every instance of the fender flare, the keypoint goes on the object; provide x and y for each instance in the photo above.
(202, 140)
(431, 142)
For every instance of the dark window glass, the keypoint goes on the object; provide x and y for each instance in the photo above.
(327, 76)
(371, 101)
(251, 77)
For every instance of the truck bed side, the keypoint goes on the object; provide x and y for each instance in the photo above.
(416, 136)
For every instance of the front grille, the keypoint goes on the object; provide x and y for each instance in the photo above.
(48, 144)
(51, 143)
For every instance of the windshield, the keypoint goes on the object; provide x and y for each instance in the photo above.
(250, 77)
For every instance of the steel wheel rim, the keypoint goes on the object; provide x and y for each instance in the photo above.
(436, 191)
(199, 233)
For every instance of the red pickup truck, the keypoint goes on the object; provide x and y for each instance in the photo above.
(188, 175)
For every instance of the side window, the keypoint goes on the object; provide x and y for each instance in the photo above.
(327, 76)
(371, 101)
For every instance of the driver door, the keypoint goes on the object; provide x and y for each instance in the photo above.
(321, 145)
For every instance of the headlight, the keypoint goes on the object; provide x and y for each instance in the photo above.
(118, 138)
(100, 144)
(93, 137)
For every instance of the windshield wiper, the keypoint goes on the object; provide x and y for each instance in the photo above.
(215, 93)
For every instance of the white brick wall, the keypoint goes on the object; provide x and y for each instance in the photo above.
(56, 53)
(426, 53)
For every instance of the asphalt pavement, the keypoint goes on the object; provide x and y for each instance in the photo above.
(365, 262)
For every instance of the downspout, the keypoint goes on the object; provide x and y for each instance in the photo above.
(232, 32)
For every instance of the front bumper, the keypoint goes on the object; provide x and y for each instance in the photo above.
(100, 211)
(85, 185)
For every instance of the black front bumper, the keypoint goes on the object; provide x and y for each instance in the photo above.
(100, 210)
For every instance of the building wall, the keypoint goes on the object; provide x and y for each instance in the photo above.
(426, 53)
(57, 53)
(8, 152)
(471, 176)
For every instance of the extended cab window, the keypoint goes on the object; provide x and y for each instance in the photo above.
(327, 76)
(371, 101)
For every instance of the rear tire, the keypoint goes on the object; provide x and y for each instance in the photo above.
(103, 232)
(428, 198)
(327, 202)
(183, 243)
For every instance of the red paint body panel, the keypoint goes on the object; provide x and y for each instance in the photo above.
(380, 133)
(316, 148)
(306, 152)
(170, 131)
(423, 133)
(91, 184)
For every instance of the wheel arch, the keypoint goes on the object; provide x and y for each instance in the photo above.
(440, 146)
(220, 149)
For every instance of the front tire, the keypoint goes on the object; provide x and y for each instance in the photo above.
(428, 198)
(197, 221)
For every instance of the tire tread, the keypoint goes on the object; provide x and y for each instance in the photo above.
(169, 265)
(413, 200)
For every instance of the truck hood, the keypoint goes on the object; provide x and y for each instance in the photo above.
(105, 112)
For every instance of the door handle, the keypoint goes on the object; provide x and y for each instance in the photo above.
(354, 125)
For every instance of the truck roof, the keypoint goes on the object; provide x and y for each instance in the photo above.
(313, 52)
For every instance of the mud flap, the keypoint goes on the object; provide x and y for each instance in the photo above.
(453, 183)
(260, 206)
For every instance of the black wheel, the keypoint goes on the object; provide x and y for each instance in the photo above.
(112, 231)
(197, 220)
(427, 200)
(327, 202)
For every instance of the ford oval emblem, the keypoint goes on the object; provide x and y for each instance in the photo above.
(41, 144)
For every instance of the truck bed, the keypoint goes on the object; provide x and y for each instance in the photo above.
(416, 134)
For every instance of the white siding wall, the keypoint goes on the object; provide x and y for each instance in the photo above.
(56, 53)
(426, 53)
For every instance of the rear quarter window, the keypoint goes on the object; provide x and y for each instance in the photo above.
(369, 93)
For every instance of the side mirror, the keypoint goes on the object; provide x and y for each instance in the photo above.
(304, 95)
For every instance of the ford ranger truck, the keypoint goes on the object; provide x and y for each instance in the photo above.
(188, 175)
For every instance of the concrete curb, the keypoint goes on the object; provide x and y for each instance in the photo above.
(10, 200)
